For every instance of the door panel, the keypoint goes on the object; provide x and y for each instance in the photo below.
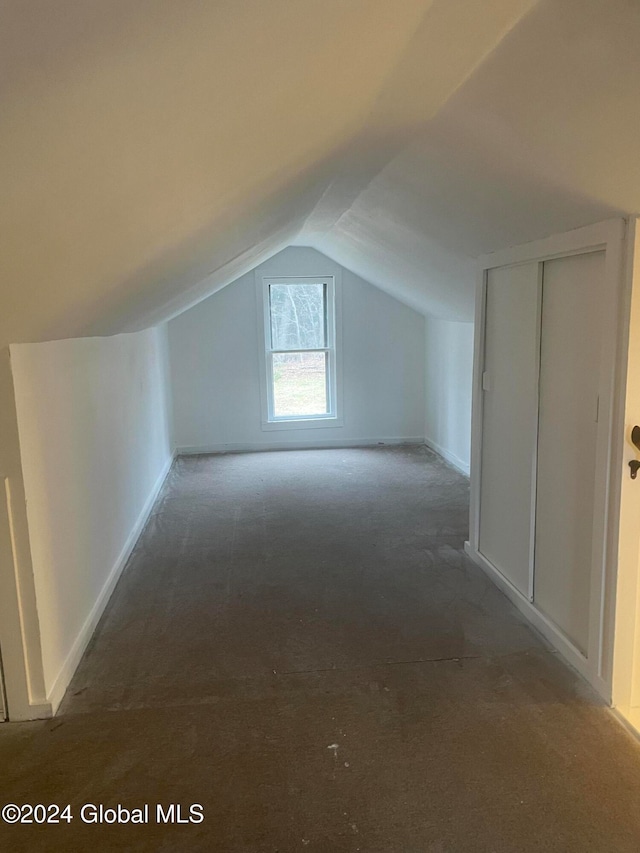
(509, 420)
(569, 381)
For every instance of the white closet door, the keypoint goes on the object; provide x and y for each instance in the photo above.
(509, 420)
(569, 381)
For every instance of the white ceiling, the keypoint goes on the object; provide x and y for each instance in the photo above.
(154, 151)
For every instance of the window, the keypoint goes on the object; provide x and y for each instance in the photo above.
(300, 352)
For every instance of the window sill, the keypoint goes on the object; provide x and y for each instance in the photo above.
(303, 423)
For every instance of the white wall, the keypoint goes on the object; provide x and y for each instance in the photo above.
(94, 438)
(215, 367)
(449, 382)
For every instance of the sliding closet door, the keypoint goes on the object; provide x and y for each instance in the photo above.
(509, 420)
(569, 381)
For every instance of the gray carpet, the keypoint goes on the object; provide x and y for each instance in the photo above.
(300, 645)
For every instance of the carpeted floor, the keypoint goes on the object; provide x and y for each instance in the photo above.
(300, 646)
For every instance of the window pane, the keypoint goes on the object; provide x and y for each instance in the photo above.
(299, 384)
(297, 316)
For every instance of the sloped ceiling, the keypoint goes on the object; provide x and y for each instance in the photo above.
(154, 151)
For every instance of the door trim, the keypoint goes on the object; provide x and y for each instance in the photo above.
(4, 713)
(22, 661)
(624, 606)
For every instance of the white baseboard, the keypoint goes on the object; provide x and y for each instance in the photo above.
(72, 660)
(542, 624)
(451, 458)
(312, 444)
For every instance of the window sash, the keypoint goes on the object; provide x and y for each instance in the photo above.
(299, 349)
(325, 312)
(328, 367)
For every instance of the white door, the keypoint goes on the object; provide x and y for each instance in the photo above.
(509, 420)
(570, 355)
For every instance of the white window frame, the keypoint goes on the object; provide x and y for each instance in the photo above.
(333, 418)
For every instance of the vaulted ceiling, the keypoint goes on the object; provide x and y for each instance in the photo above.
(153, 151)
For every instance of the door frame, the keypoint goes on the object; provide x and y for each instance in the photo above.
(22, 671)
(4, 712)
(609, 236)
(626, 658)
